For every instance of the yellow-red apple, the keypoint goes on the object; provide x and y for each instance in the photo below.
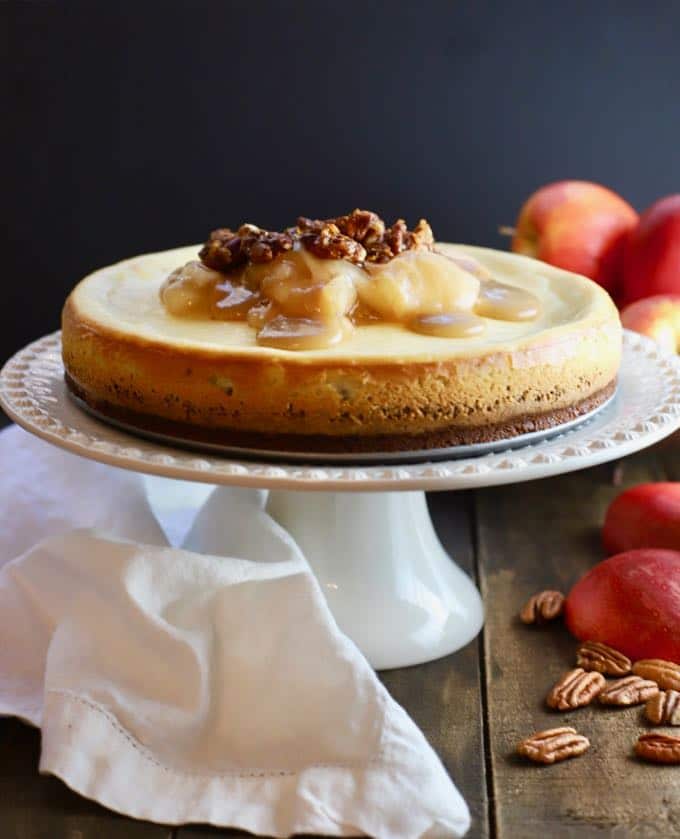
(576, 225)
(651, 262)
(658, 317)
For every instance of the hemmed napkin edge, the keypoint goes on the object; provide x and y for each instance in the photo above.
(73, 725)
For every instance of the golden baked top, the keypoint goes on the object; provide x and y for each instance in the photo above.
(123, 300)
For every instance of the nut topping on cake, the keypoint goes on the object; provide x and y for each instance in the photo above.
(325, 240)
(226, 250)
(358, 237)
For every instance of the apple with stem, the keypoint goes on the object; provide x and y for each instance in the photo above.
(576, 225)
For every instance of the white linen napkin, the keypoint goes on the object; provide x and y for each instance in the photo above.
(179, 687)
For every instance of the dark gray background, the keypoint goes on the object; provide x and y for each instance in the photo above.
(136, 126)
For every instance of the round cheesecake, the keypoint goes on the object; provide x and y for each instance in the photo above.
(384, 387)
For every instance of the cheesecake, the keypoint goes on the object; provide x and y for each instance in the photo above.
(340, 335)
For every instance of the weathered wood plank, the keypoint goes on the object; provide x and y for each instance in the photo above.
(540, 535)
(443, 697)
(669, 453)
(40, 807)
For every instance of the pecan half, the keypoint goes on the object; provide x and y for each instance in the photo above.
(664, 708)
(226, 250)
(631, 690)
(553, 745)
(593, 655)
(542, 607)
(665, 673)
(658, 748)
(575, 689)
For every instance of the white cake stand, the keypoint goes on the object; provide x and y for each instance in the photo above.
(365, 530)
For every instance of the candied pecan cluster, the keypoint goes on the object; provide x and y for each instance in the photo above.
(226, 250)
(358, 237)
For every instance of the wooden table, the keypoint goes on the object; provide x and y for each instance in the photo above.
(472, 706)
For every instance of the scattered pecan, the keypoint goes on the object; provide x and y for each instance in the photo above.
(575, 689)
(542, 607)
(553, 745)
(226, 250)
(665, 673)
(658, 748)
(593, 655)
(631, 690)
(330, 243)
(664, 708)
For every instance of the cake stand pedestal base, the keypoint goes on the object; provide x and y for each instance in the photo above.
(389, 583)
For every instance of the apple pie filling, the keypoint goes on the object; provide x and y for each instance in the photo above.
(308, 287)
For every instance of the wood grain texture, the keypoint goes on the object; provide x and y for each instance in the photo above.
(34, 806)
(545, 535)
(443, 697)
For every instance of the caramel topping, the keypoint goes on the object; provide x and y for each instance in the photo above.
(302, 333)
(189, 290)
(504, 302)
(449, 325)
(307, 288)
(236, 303)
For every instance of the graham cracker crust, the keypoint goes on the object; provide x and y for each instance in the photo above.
(326, 444)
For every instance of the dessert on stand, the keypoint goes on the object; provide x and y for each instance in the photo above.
(340, 336)
(347, 367)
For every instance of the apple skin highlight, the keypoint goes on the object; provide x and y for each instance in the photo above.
(579, 226)
(658, 317)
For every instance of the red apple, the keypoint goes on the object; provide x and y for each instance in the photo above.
(576, 225)
(652, 253)
(658, 317)
(630, 601)
(645, 516)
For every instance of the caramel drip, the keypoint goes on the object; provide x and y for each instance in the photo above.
(449, 325)
(286, 333)
(499, 301)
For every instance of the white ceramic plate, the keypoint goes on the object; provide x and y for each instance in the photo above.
(645, 410)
